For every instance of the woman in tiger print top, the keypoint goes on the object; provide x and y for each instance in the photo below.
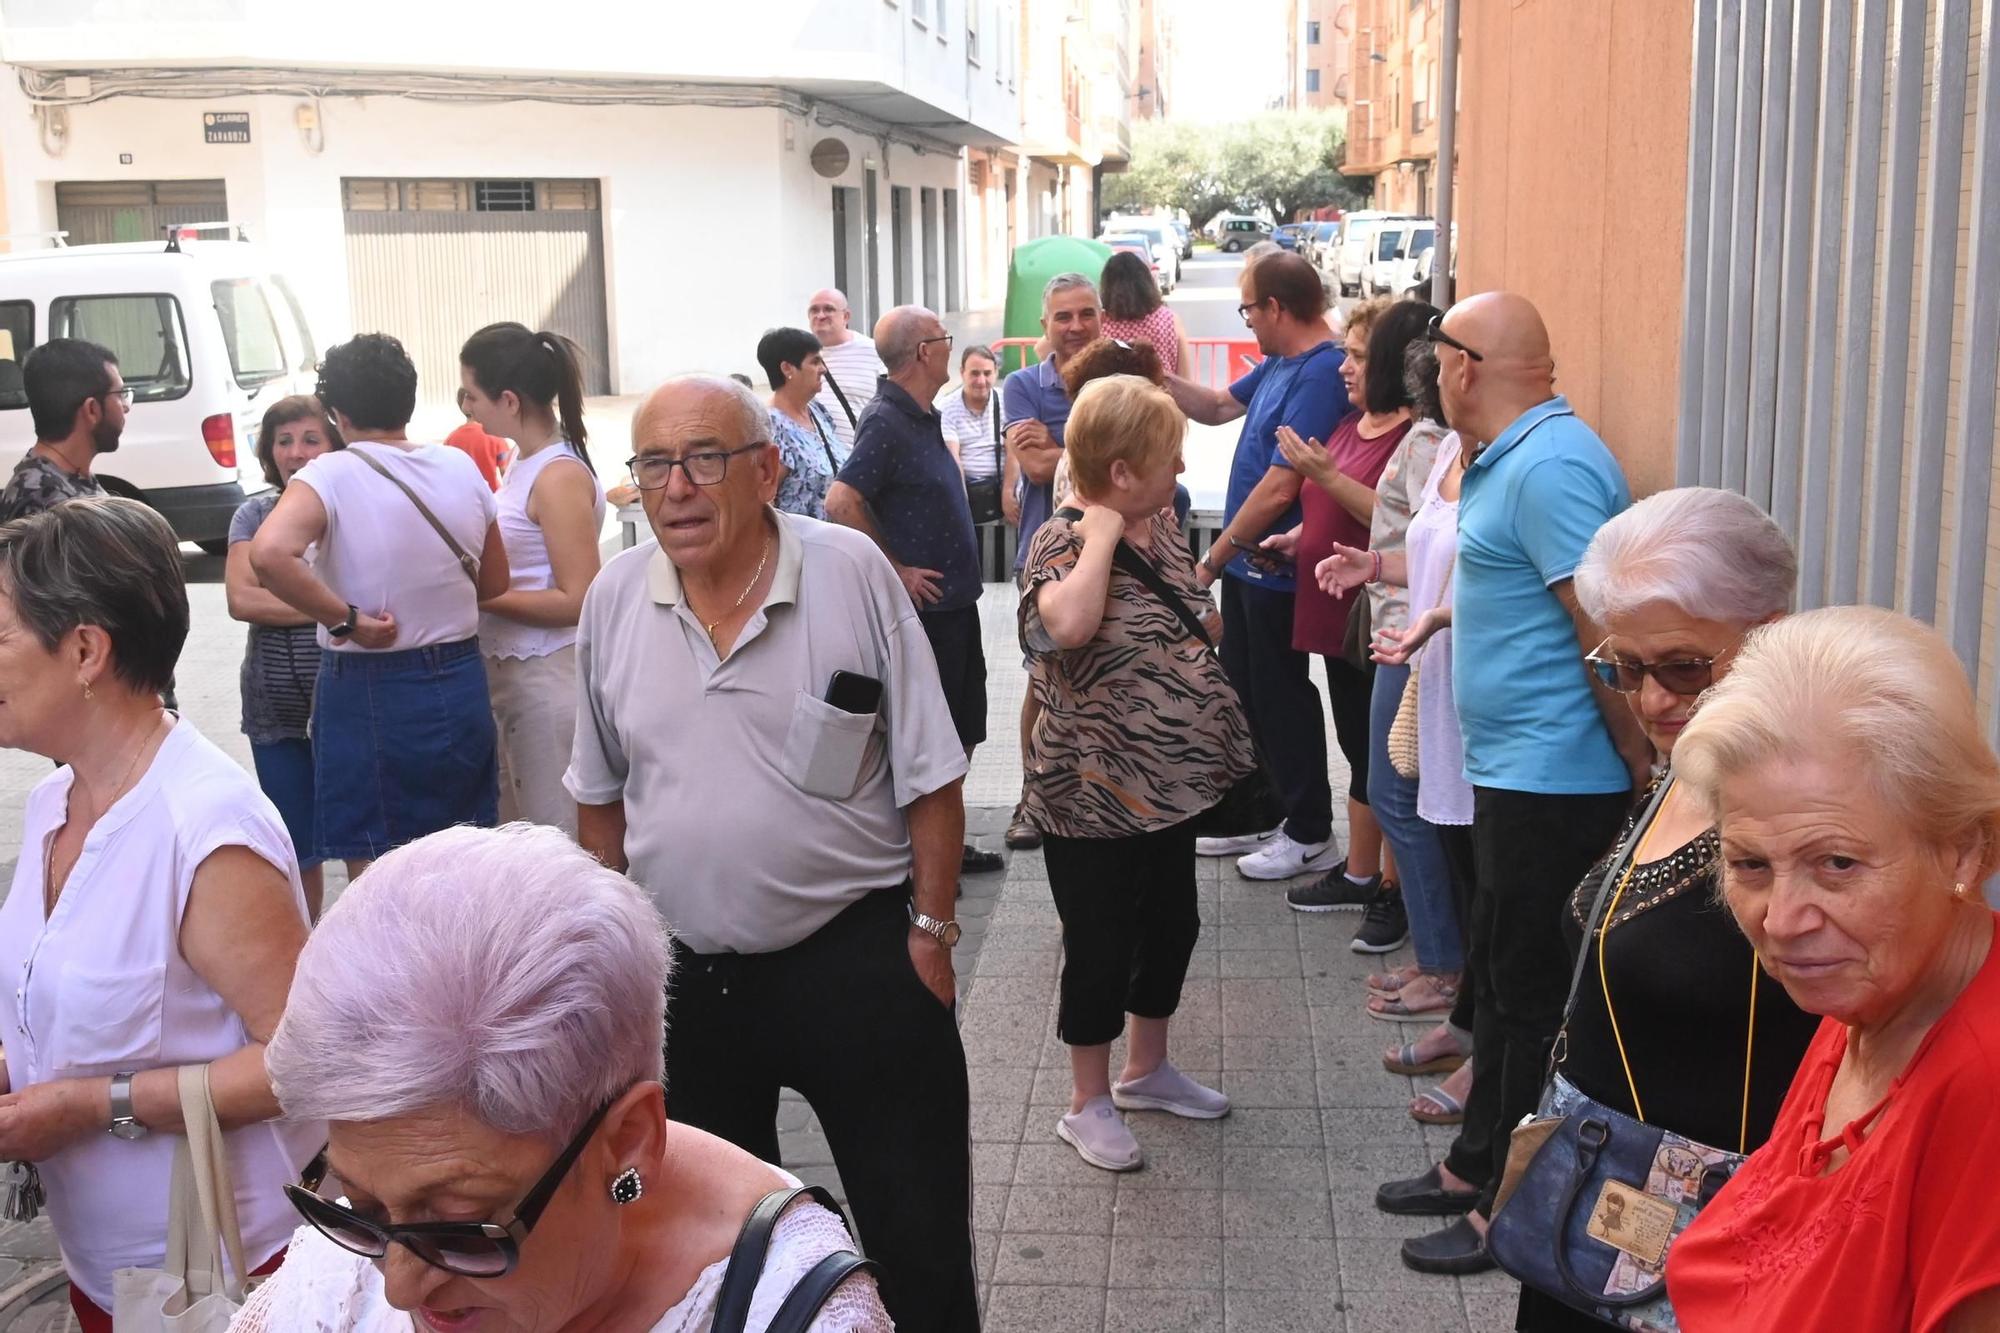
(1139, 733)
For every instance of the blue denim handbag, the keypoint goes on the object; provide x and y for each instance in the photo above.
(1593, 1199)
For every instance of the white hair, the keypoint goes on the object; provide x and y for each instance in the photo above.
(1709, 553)
(1065, 282)
(502, 972)
(755, 417)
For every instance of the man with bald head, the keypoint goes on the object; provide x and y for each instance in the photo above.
(903, 488)
(762, 745)
(852, 364)
(1552, 756)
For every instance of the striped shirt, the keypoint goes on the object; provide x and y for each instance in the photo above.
(973, 432)
(855, 366)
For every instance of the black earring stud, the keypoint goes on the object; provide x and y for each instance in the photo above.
(626, 1187)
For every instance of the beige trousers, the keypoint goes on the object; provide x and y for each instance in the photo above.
(534, 711)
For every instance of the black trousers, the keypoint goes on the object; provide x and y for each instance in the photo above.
(843, 1018)
(1129, 924)
(1530, 851)
(1350, 697)
(961, 661)
(1459, 859)
(1275, 681)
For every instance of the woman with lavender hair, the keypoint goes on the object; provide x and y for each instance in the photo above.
(479, 1019)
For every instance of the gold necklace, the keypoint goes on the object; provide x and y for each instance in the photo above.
(737, 605)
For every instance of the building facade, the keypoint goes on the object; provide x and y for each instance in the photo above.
(1392, 100)
(669, 195)
(1321, 40)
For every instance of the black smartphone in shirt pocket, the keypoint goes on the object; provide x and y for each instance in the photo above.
(852, 692)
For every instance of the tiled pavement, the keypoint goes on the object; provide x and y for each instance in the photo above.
(1259, 1221)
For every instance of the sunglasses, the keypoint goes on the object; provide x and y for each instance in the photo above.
(1687, 676)
(468, 1249)
(1434, 332)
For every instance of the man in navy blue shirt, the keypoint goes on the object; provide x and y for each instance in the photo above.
(1297, 384)
(903, 487)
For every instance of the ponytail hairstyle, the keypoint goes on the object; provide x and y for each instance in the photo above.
(545, 369)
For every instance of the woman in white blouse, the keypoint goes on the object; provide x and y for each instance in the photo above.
(528, 387)
(390, 546)
(155, 915)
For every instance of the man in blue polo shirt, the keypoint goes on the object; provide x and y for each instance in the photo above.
(1551, 755)
(902, 487)
(1297, 384)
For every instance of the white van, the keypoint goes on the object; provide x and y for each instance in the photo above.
(1360, 237)
(1397, 249)
(207, 335)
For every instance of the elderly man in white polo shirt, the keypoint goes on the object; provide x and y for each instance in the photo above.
(763, 744)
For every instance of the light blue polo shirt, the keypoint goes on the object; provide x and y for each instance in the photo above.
(1528, 507)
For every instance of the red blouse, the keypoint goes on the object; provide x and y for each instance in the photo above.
(1319, 622)
(1896, 1238)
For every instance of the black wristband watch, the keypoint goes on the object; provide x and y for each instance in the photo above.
(345, 627)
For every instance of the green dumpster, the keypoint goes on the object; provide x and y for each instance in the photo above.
(1034, 263)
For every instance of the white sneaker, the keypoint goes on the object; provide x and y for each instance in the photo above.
(1168, 1089)
(1281, 858)
(1099, 1135)
(1247, 842)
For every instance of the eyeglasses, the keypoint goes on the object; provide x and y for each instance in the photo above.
(1434, 332)
(1243, 311)
(944, 338)
(469, 1249)
(652, 472)
(123, 393)
(1687, 676)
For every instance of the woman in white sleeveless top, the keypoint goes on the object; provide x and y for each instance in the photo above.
(390, 546)
(528, 387)
(155, 913)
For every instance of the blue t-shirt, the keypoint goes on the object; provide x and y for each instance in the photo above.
(1035, 393)
(901, 467)
(1302, 391)
(1528, 507)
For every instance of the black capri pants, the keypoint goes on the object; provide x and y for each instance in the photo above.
(1129, 924)
(1350, 694)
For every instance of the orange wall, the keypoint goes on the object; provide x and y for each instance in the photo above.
(1572, 176)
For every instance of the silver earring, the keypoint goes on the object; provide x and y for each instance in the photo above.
(626, 1187)
(1960, 892)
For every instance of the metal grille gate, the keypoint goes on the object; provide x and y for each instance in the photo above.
(1841, 336)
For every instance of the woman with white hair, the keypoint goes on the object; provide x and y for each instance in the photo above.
(1672, 1025)
(479, 1019)
(1859, 807)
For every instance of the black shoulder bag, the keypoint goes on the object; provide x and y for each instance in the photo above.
(1251, 805)
(834, 384)
(984, 496)
(746, 1266)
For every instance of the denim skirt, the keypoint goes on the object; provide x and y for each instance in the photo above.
(403, 745)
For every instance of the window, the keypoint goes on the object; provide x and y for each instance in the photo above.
(308, 356)
(1312, 80)
(503, 196)
(256, 356)
(972, 32)
(1386, 242)
(1312, 33)
(143, 331)
(943, 27)
(17, 336)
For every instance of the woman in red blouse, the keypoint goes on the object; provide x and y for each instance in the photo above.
(1859, 810)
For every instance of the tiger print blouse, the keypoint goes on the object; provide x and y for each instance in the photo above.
(1139, 730)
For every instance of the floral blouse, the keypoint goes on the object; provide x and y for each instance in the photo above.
(812, 458)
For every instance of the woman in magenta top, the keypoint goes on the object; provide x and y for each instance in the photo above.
(1337, 504)
(1135, 311)
(1845, 765)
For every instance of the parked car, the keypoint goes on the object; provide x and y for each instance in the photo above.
(1238, 234)
(207, 334)
(1288, 235)
(1396, 252)
(1315, 238)
(1182, 230)
(1139, 244)
(1358, 243)
(1164, 242)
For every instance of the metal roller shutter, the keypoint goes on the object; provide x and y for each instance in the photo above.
(93, 212)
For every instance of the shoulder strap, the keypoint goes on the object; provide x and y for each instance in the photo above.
(746, 1258)
(465, 562)
(832, 463)
(1611, 874)
(1138, 567)
(996, 417)
(834, 384)
(802, 1306)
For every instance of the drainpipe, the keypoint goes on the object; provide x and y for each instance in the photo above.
(1447, 157)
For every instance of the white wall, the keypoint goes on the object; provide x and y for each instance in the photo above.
(715, 230)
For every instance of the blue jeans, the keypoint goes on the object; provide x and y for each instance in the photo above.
(285, 772)
(1420, 862)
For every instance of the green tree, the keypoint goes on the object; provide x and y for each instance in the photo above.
(1280, 161)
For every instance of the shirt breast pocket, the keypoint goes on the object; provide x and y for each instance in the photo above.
(109, 1020)
(825, 748)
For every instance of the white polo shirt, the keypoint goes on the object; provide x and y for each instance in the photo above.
(754, 810)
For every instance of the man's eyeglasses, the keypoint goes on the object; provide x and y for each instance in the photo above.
(469, 1249)
(652, 472)
(1434, 332)
(1243, 311)
(944, 338)
(123, 393)
(1687, 676)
